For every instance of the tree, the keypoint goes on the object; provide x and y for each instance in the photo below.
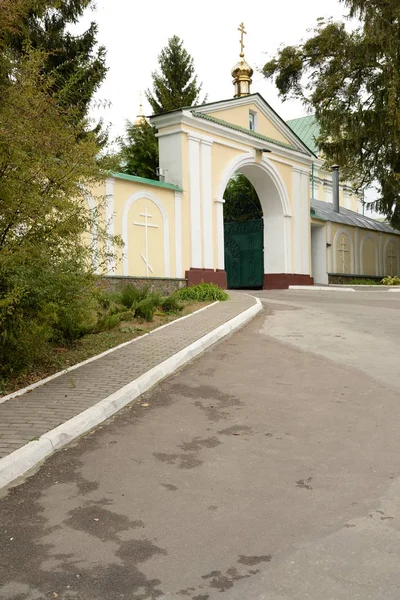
(241, 200)
(350, 78)
(47, 157)
(139, 150)
(76, 64)
(175, 85)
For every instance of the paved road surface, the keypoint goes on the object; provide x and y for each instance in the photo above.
(267, 469)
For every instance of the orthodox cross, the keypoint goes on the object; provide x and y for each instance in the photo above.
(146, 226)
(243, 32)
(343, 249)
(391, 257)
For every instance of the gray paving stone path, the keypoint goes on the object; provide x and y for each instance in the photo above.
(29, 416)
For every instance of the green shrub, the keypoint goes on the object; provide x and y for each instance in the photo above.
(171, 304)
(147, 307)
(131, 295)
(203, 292)
(361, 281)
(390, 280)
(107, 322)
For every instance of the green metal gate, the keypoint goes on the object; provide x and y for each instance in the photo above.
(244, 254)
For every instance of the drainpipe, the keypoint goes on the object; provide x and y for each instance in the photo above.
(335, 188)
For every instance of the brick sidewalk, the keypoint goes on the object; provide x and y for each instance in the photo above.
(27, 417)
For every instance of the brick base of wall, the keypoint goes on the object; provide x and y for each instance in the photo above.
(281, 281)
(195, 276)
(161, 285)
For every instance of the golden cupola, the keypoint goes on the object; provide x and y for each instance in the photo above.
(242, 72)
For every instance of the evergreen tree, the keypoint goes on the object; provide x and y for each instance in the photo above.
(351, 80)
(139, 150)
(175, 85)
(241, 200)
(75, 63)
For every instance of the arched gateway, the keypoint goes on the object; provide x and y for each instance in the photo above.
(201, 148)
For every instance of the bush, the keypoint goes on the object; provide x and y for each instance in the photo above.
(390, 280)
(131, 295)
(203, 292)
(171, 304)
(147, 307)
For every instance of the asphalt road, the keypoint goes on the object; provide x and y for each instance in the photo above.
(269, 468)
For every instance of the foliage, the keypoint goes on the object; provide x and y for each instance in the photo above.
(350, 79)
(203, 292)
(75, 63)
(147, 307)
(241, 200)
(171, 304)
(130, 296)
(175, 85)
(390, 280)
(47, 157)
(139, 150)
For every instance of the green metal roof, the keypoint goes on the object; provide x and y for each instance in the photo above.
(307, 129)
(144, 181)
(250, 132)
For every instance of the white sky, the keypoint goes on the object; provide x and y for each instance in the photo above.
(134, 33)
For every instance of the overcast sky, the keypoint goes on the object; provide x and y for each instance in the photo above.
(134, 32)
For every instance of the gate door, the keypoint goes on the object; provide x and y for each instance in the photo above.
(244, 254)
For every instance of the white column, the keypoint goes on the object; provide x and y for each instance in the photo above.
(356, 251)
(305, 223)
(219, 203)
(297, 221)
(110, 224)
(287, 224)
(330, 247)
(178, 234)
(195, 202)
(207, 205)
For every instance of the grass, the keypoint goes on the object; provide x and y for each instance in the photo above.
(96, 343)
(360, 281)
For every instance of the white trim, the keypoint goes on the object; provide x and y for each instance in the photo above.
(362, 270)
(186, 118)
(22, 460)
(335, 239)
(94, 229)
(220, 234)
(128, 204)
(356, 251)
(178, 234)
(266, 165)
(185, 130)
(305, 223)
(195, 200)
(110, 224)
(207, 204)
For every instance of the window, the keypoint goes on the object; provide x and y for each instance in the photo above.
(252, 121)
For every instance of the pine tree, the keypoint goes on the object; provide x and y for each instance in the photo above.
(241, 200)
(75, 63)
(175, 85)
(351, 80)
(139, 151)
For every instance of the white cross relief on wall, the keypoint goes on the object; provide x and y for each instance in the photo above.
(343, 249)
(392, 258)
(146, 226)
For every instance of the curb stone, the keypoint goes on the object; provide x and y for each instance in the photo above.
(21, 461)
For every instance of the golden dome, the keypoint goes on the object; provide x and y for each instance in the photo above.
(140, 119)
(242, 71)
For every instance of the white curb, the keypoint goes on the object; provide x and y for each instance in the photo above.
(18, 463)
(394, 290)
(32, 386)
(320, 288)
